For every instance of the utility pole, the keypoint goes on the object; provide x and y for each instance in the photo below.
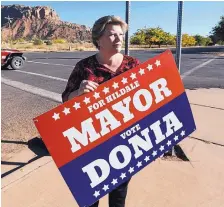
(179, 34)
(9, 22)
(128, 22)
(178, 50)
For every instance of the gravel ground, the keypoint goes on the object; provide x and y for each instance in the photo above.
(17, 123)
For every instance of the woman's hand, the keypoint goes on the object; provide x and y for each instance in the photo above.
(87, 86)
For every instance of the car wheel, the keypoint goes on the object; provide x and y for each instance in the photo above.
(17, 62)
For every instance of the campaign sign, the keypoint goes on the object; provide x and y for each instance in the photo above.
(101, 139)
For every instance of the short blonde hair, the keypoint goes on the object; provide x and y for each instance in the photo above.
(100, 26)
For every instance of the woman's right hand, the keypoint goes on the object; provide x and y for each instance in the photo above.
(87, 86)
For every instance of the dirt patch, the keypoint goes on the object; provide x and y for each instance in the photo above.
(18, 110)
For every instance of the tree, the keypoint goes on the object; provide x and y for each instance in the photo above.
(138, 38)
(188, 40)
(169, 39)
(217, 33)
(202, 41)
(154, 36)
(208, 41)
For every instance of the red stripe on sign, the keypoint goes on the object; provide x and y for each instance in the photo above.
(119, 102)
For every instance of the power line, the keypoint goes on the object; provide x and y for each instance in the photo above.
(9, 19)
(9, 22)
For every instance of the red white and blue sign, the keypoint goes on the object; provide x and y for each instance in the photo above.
(101, 139)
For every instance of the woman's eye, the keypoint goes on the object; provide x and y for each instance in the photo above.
(113, 35)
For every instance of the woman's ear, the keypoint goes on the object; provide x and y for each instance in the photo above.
(98, 44)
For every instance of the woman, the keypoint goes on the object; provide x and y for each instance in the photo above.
(107, 35)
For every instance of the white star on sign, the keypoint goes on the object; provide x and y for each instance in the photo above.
(161, 148)
(96, 194)
(146, 159)
(141, 71)
(56, 116)
(157, 63)
(66, 111)
(123, 175)
(124, 80)
(168, 143)
(139, 164)
(182, 133)
(154, 153)
(115, 85)
(105, 187)
(133, 76)
(86, 100)
(96, 95)
(106, 90)
(149, 67)
(76, 106)
(175, 138)
(114, 181)
(131, 170)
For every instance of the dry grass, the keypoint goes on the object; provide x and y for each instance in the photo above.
(28, 46)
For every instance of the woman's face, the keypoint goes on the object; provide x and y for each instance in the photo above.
(112, 39)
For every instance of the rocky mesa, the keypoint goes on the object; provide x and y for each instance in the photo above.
(39, 22)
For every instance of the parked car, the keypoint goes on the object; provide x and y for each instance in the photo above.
(12, 57)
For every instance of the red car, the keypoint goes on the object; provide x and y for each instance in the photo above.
(11, 57)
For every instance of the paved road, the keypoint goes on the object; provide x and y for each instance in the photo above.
(60, 65)
(47, 73)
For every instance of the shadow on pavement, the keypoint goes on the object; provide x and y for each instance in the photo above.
(176, 152)
(36, 145)
(13, 142)
(7, 68)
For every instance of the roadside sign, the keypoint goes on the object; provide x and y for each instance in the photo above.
(101, 139)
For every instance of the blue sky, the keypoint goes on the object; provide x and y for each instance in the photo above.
(198, 17)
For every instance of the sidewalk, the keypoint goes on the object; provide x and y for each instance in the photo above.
(164, 183)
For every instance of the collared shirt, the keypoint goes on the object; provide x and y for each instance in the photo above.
(90, 69)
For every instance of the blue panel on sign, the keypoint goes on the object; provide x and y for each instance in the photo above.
(104, 168)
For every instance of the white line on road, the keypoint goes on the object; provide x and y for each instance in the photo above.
(196, 68)
(49, 63)
(34, 90)
(42, 75)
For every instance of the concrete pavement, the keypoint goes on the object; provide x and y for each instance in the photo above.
(199, 182)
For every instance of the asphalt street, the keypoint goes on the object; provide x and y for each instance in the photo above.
(47, 73)
(60, 65)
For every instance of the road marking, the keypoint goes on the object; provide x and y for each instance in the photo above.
(42, 75)
(34, 90)
(196, 68)
(49, 63)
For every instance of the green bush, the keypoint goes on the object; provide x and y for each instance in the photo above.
(38, 42)
(20, 40)
(59, 41)
(48, 42)
(220, 42)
